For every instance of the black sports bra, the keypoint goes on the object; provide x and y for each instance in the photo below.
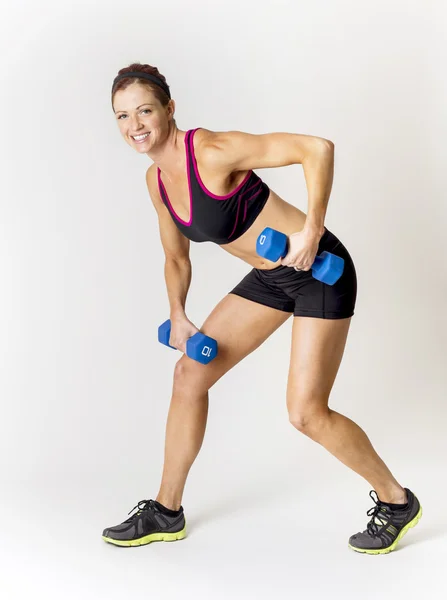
(218, 219)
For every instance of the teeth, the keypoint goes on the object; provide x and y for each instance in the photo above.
(140, 137)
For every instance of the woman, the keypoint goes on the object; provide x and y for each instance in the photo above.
(203, 188)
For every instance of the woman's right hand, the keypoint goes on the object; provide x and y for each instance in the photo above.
(181, 330)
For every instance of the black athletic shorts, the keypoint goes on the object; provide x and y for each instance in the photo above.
(298, 292)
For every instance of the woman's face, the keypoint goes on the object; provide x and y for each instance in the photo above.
(140, 114)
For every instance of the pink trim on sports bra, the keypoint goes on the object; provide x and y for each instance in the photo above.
(189, 143)
(186, 223)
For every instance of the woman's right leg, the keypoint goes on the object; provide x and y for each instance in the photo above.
(239, 326)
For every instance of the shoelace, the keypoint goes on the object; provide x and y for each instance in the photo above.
(379, 512)
(141, 506)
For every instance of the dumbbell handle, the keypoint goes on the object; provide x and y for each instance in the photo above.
(199, 346)
(282, 249)
(318, 259)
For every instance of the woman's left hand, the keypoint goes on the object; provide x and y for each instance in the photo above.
(302, 250)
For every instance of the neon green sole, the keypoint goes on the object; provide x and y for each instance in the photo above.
(411, 524)
(153, 537)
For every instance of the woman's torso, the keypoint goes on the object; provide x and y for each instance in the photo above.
(276, 212)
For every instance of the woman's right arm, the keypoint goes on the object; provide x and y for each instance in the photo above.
(178, 269)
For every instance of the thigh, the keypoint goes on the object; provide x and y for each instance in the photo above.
(316, 299)
(317, 350)
(240, 326)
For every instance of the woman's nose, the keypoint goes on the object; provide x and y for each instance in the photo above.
(134, 123)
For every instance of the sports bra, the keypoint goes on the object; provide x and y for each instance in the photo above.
(212, 218)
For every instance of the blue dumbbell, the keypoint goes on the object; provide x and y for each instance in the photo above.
(199, 347)
(272, 244)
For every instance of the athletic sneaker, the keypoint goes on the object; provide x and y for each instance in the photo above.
(387, 525)
(153, 522)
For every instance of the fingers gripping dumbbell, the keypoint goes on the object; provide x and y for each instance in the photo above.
(199, 347)
(273, 245)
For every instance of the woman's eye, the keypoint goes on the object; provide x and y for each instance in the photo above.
(144, 110)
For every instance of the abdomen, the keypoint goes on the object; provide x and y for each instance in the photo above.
(278, 214)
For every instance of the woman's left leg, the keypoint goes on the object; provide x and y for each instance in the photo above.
(317, 351)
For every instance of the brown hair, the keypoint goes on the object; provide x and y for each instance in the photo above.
(158, 92)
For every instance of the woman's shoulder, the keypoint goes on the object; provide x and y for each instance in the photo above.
(204, 138)
(209, 137)
(209, 148)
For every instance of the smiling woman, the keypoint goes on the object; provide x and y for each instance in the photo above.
(204, 188)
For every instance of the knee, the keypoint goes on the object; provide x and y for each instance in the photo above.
(309, 421)
(189, 375)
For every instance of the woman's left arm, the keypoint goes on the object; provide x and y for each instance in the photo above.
(318, 170)
(238, 151)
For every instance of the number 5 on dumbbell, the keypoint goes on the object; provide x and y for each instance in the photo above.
(199, 347)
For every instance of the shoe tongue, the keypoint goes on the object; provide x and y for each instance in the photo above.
(380, 519)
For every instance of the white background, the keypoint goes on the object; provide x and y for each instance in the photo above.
(85, 386)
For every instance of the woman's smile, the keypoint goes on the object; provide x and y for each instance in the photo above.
(139, 139)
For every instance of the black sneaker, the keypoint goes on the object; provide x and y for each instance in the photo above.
(148, 524)
(387, 526)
